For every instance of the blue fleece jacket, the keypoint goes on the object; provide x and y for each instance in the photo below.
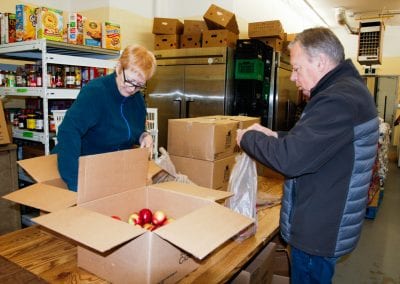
(100, 120)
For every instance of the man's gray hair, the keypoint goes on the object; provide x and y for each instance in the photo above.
(320, 40)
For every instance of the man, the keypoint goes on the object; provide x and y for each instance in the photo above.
(327, 157)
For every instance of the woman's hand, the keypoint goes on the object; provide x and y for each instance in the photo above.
(146, 141)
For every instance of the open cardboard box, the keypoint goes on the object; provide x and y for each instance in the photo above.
(115, 184)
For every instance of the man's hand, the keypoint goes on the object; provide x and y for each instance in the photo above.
(257, 127)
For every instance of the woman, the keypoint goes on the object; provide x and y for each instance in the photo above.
(108, 115)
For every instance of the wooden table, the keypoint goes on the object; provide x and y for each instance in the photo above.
(54, 258)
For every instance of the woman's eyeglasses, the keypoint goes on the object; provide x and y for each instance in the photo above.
(132, 83)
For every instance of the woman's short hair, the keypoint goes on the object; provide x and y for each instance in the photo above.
(140, 59)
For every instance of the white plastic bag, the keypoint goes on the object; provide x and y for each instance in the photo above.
(170, 173)
(243, 183)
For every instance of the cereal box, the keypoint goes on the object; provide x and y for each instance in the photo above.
(92, 33)
(7, 28)
(111, 36)
(25, 22)
(75, 29)
(49, 24)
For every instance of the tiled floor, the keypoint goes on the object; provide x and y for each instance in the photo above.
(377, 256)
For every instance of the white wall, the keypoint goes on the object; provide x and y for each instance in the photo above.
(294, 16)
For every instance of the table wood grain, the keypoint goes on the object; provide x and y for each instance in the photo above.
(53, 257)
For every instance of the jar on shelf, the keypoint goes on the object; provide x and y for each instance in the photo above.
(39, 121)
(31, 121)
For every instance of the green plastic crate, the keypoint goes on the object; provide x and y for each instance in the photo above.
(249, 69)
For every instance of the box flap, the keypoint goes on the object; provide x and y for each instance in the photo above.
(153, 169)
(194, 190)
(44, 197)
(205, 229)
(110, 173)
(90, 228)
(41, 168)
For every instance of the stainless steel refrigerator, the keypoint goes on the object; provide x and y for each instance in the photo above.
(190, 82)
(284, 95)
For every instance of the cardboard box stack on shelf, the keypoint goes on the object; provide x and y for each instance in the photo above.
(167, 33)
(219, 28)
(192, 33)
(116, 250)
(222, 30)
(204, 148)
(269, 32)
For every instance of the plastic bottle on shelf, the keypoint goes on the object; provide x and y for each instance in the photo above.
(2, 78)
(78, 77)
(11, 79)
(69, 77)
(22, 120)
(59, 78)
(39, 79)
(32, 76)
(18, 77)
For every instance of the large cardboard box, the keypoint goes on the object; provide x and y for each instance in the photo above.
(194, 27)
(167, 26)
(4, 133)
(191, 40)
(211, 174)
(219, 18)
(260, 269)
(215, 38)
(25, 25)
(241, 120)
(203, 138)
(274, 42)
(50, 24)
(266, 29)
(166, 41)
(115, 184)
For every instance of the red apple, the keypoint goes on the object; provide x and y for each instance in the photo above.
(146, 215)
(169, 220)
(135, 219)
(116, 217)
(159, 218)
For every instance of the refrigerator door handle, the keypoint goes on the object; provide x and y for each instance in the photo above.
(180, 106)
(187, 106)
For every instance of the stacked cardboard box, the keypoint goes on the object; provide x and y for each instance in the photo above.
(204, 148)
(167, 33)
(115, 250)
(192, 33)
(222, 27)
(269, 32)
